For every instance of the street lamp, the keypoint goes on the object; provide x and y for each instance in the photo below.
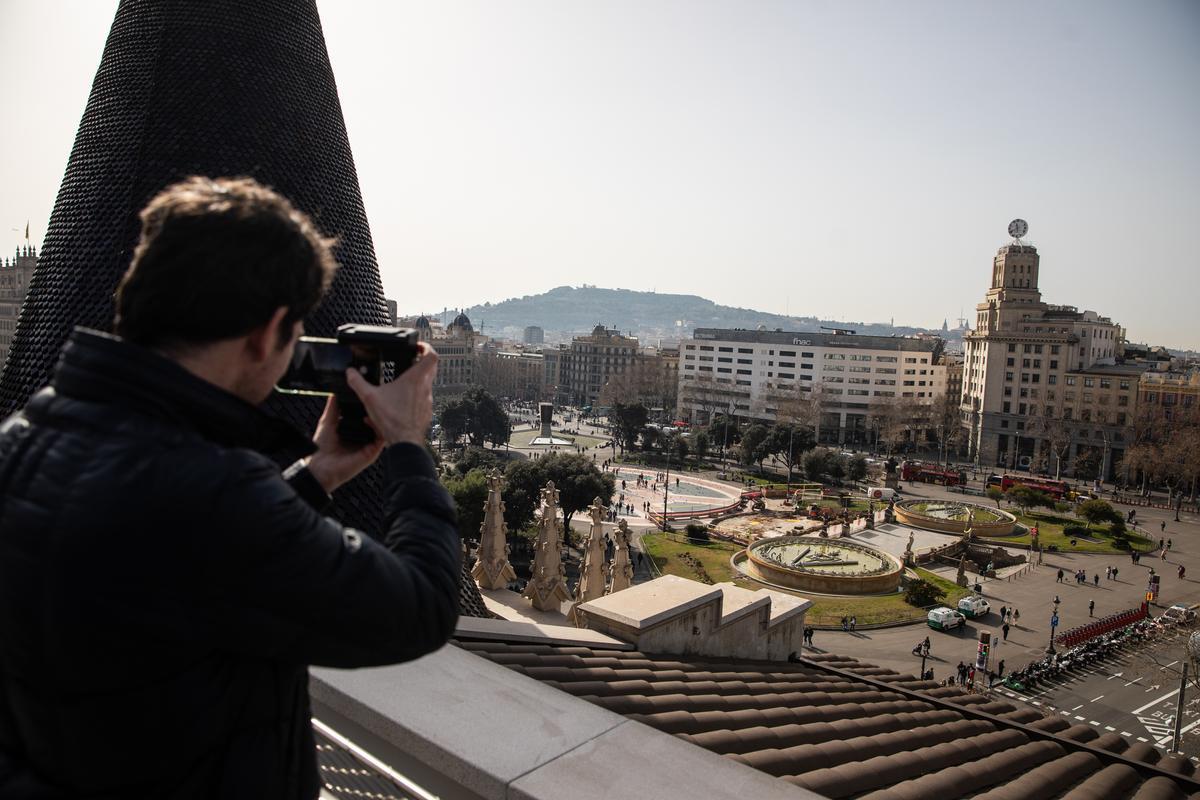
(1053, 625)
(667, 484)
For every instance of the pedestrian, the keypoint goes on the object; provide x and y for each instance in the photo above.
(845, 623)
(961, 671)
(1181, 570)
(1162, 527)
(1168, 544)
(1016, 616)
(853, 622)
(1163, 555)
(1005, 630)
(1161, 541)
(1060, 576)
(925, 647)
(1108, 573)
(1091, 607)
(970, 676)
(1114, 573)
(1003, 612)
(1096, 580)
(1000, 670)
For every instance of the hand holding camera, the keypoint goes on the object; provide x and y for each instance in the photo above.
(363, 414)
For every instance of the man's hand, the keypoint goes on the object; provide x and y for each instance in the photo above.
(335, 462)
(402, 410)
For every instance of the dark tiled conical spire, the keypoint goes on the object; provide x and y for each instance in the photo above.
(220, 88)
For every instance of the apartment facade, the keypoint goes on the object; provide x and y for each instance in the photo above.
(15, 275)
(591, 360)
(1035, 372)
(751, 374)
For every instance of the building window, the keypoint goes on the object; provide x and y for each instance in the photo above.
(1089, 382)
(725, 349)
(1051, 379)
(1008, 376)
(1070, 380)
(1012, 348)
(1007, 408)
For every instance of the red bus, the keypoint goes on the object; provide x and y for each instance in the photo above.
(1056, 489)
(929, 473)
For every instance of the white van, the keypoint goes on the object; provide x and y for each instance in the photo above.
(944, 619)
(880, 493)
(974, 607)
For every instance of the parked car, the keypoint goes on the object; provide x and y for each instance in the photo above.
(974, 607)
(944, 619)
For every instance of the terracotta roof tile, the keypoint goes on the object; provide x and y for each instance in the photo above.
(845, 729)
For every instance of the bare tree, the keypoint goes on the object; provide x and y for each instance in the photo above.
(1057, 437)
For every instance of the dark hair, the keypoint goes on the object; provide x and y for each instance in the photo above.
(216, 257)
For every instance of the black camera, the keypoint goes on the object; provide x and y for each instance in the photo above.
(318, 367)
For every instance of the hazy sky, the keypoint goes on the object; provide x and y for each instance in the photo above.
(854, 160)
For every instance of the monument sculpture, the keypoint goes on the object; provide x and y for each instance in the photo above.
(547, 588)
(910, 559)
(546, 435)
(268, 108)
(492, 570)
(591, 571)
(961, 579)
(620, 569)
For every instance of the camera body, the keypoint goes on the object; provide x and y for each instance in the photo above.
(318, 367)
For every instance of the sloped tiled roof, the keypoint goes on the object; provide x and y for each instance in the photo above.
(842, 728)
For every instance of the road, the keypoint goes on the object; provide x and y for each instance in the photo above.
(1134, 694)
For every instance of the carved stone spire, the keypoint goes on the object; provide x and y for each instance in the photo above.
(591, 572)
(492, 569)
(620, 569)
(547, 588)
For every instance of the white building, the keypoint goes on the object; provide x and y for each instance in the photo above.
(751, 373)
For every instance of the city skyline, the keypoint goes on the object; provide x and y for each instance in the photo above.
(848, 162)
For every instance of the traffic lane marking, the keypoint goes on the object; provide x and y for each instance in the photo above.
(1094, 699)
(1166, 696)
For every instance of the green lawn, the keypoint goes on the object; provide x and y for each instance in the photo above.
(1050, 525)
(714, 557)
(667, 552)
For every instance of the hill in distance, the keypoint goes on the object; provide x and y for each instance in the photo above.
(569, 310)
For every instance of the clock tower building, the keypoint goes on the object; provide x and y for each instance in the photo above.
(1026, 365)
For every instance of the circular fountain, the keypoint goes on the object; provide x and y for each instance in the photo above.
(955, 516)
(813, 564)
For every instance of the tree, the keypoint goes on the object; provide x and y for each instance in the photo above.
(751, 439)
(628, 421)
(700, 443)
(857, 470)
(648, 381)
(1027, 498)
(921, 593)
(678, 447)
(470, 493)
(476, 458)
(650, 437)
(788, 442)
(814, 464)
(947, 423)
(577, 479)
(1087, 464)
(476, 415)
(995, 493)
(1096, 512)
(835, 467)
(1057, 438)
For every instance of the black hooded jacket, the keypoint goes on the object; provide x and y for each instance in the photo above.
(163, 588)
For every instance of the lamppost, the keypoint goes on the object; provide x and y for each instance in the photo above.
(1053, 625)
(667, 484)
(791, 457)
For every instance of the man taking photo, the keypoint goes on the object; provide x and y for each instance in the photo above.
(162, 586)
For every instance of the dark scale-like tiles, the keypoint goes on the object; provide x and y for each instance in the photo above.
(845, 729)
(219, 88)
